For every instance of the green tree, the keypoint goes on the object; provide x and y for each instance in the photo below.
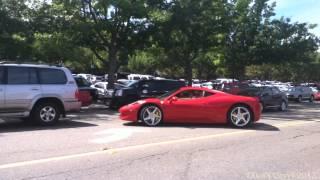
(190, 29)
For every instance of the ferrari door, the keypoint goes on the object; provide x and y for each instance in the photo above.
(187, 107)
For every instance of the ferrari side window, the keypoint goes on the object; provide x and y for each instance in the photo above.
(197, 94)
(206, 94)
(184, 95)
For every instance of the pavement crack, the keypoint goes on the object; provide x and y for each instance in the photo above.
(295, 137)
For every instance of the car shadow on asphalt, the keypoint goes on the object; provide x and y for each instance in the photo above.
(20, 126)
(255, 126)
(294, 113)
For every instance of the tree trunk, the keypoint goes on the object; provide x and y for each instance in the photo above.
(113, 58)
(188, 72)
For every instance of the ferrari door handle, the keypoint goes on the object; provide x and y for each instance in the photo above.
(35, 89)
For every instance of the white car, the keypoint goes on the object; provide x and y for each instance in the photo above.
(102, 89)
(208, 85)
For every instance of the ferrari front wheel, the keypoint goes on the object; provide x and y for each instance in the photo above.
(240, 116)
(151, 115)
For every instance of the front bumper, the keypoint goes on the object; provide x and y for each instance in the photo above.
(130, 112)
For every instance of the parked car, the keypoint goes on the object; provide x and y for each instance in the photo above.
(142, 89)
(38, 93)
(269, 97)
(208, 85)
(84, 85)
(101, 88)
(194, 105)
(316, 93)
(85, 98)
(300, 93)
(103, 92)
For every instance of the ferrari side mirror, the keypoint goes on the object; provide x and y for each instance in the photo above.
(173, 99)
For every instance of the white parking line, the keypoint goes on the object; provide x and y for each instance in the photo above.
(111, 151)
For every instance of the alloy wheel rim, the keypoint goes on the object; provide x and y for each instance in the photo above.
(152, 115)
(47, 114)
(240, 116)
(283, 106)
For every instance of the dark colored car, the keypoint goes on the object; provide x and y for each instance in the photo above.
(270, 97)
(142, 89)
(84, 85)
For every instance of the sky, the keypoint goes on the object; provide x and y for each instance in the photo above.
(301, 11)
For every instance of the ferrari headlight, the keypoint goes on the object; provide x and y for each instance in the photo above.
(119, 92)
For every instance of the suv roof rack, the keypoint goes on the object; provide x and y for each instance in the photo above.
(31, 62)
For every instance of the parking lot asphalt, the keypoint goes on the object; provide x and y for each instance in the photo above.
(95, 144)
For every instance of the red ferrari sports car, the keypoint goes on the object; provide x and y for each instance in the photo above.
(194, 105)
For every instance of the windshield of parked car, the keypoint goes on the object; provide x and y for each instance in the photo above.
(131, 83)
(81, 82)
(256, 91)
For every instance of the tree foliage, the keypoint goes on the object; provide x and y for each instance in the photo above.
(177, 38)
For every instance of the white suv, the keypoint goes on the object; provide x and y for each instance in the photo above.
(39, 93)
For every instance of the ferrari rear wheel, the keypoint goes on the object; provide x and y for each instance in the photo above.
(240, 116)
(151, 115)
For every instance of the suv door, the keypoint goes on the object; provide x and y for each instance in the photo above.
(2, 88)
(21, 89)
(307, 92)
(276, 96)
(148, 89)
(266, 97)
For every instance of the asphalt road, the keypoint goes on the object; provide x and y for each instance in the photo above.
(95, 144)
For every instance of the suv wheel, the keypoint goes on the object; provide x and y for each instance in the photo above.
(299, 99)
(311, 98)
(46, 113)
(283, 106)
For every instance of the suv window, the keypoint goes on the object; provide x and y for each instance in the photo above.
(149, 85)
(81, 82)
(52, 76)
(1, 75)
(169, 85)
(267, 91)
(276, 90)
(22, 75)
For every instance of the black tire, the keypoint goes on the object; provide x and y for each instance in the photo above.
(26, 120)
(158, 118)
(299, 100)
(311, 98)
(283, 106)
(114, 104)
(46, 113)
(245, 109)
